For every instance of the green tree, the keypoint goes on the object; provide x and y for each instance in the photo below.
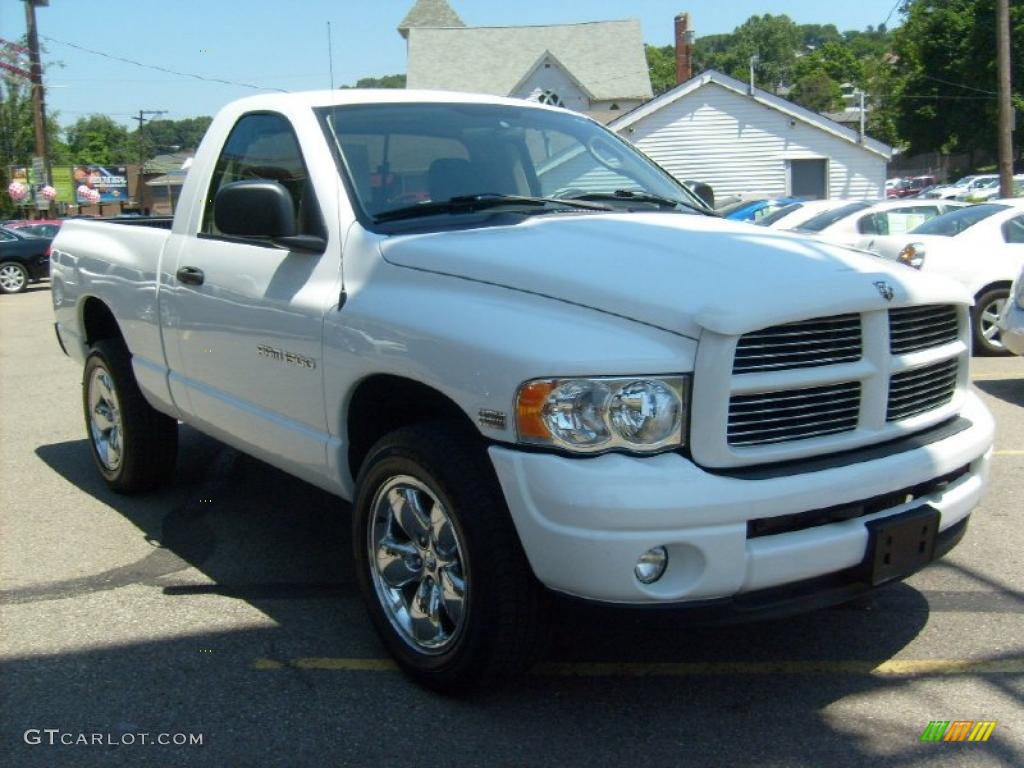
(775, 40)
(18, 138)
(817, 91)
(944, 75)
(661, 63)
(98, 139)
(835, 59)
(387, 81)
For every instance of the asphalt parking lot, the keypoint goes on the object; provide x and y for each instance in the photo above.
(225, 606)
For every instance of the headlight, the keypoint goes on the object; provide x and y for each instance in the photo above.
(642, 414)
(912, 255)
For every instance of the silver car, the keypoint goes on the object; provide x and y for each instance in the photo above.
(1011, 321)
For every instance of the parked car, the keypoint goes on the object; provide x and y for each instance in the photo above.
(755, 210)
(559, 370)
(991, 192)
(795, 214)
(1011, 320)
(848, 224)
(964, 185)
(980, 246)
(22, 260)
(910, 187)
(989, 183)
(35, 227)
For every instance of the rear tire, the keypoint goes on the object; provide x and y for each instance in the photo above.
(439, 562)
(13, 277)
(984, 315)
(133, 445)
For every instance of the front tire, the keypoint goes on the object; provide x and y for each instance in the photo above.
(13, 277)
(984, 315)
(133, 445)
(439, 562)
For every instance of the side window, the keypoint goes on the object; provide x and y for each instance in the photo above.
(1013, 230)
(264, 146)
(873, 224)
(6, 237)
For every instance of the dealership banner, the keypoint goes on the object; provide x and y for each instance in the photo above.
(100, 184)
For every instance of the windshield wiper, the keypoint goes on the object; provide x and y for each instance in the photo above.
(640, 197)
(479, 202)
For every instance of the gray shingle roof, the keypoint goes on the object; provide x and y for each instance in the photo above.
(429, 13)
(606, 57)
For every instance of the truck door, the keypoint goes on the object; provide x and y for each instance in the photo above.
(247, 316)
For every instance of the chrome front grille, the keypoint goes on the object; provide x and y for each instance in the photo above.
(805, 344)
(921, 389)
(827, 384)
(914, 328)
(793, 414)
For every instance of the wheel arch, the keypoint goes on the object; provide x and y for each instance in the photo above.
(382, 403)
(97, 322)
(995, 284)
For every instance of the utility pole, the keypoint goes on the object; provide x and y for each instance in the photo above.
(140, 182)
(38, 101)
(1005, 109)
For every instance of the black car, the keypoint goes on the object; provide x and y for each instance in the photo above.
(22, 260)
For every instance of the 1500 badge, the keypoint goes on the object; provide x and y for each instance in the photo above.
(286, 357)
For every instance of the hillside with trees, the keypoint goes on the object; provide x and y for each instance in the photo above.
(929, 82)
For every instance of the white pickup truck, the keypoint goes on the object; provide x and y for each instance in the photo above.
(531, 360)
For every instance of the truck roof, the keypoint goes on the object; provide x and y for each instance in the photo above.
(339, 97)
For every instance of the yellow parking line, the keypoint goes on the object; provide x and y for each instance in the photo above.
(996, 377)
(894, 668)
(1009, 453)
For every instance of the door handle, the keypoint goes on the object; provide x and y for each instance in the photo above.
(190, 276)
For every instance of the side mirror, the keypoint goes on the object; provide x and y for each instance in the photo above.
(703, 191)
(261, 208)
(256, 208)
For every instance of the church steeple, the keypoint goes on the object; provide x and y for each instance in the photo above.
(429, 13)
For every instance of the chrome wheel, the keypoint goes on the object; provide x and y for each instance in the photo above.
(13, 278)
(987, 319)
(105, 418)
(417, 565)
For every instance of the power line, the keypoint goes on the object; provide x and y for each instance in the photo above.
(161, 69)
(959, 85)
(886, 22)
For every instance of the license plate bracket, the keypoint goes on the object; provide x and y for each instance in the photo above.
(901, 544)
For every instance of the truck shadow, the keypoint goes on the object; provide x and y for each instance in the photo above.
(1010, 390)
(235, 527)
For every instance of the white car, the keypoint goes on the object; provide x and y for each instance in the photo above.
(991, 192)
(795, 214)
(848, 224)
(1011, 321)
(981, 246)
(965, 185)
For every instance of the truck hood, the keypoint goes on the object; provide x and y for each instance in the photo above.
(683, 273)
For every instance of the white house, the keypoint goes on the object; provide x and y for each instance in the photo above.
(599, 67)
(713, 128)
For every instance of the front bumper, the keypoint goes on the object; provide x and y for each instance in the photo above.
(584, 522)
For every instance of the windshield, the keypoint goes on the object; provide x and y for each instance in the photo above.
(827, 219)
(778, 213)
(955, 222)
(411, 157)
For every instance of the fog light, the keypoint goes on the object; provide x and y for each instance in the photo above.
(651, 565)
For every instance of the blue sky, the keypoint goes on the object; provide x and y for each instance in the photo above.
(283, 44)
